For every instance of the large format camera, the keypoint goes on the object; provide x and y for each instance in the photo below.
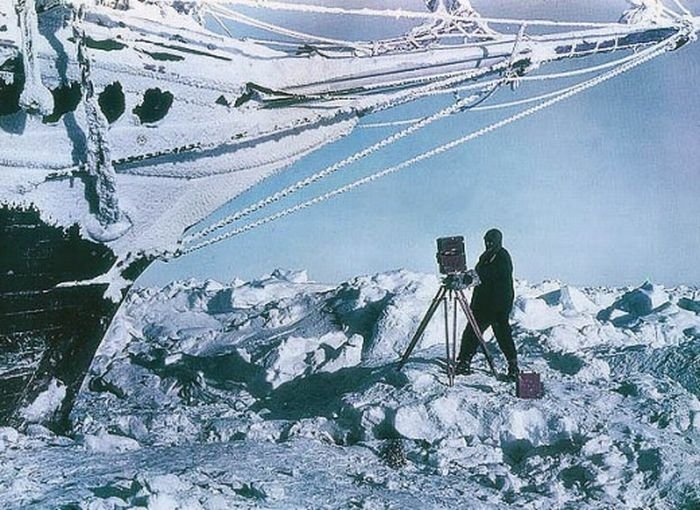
(451, 256)
(452, 261)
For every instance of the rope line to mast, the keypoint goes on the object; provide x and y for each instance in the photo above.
(462, 104)
(683, 8)
(642, 57)
(498, 106)
(215, 10)
(333, 168)
(509, 104)
(402, 13)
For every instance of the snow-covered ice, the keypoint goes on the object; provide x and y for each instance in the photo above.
(46, 403)
(283, 393)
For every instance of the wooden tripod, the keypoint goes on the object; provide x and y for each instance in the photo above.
(451, 291)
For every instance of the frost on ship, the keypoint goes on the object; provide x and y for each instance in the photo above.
(125, 123)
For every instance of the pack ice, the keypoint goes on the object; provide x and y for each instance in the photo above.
(283, 393)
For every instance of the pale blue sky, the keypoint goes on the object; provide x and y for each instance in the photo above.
(600, 189)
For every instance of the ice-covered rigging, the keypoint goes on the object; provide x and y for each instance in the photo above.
(451, 48)
(684, 29)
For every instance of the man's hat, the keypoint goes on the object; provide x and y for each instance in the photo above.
(494, 235)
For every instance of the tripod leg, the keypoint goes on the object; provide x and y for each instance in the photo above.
(454, 335)
(421, 327)
(475, 326)
(448, 359)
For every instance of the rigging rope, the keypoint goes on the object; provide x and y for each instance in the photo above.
(402, 13)
(540, 77)
(498, 106)
(333, 168)
(241, 18)
(369, 47)
(457, 106)
(219, 22)
(683, 8)
(642, 57)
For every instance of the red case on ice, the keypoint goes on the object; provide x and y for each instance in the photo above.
(529, 385)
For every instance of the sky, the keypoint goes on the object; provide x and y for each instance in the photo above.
(601, 189)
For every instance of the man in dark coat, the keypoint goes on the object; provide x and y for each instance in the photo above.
(492, 302)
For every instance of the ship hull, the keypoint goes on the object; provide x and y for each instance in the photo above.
(49, 328)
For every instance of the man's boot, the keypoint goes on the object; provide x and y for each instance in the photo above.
(513, 370)
(464, 366)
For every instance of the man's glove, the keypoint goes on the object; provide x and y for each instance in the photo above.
(472, 278)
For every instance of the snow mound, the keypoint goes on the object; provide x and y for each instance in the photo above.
(296, 357)
(103, 442)
(632, 305)
(557, 305)
(8, 437)
(280, 284)
(46, 403)
(284, 361)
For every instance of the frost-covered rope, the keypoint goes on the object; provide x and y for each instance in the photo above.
(642, 57)
(671, 12)
(516, 43)
(510, 104)
(527, 100)
(683, 8)
(334, 168)
(271, 42)
(377, 108)
(98, 152)
(540, 77)
(498, 106)
(403, 13)
(675, 14)
(219, 22)
(457, 106)
(302, 36)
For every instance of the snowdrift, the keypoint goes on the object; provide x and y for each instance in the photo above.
(278, 374)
